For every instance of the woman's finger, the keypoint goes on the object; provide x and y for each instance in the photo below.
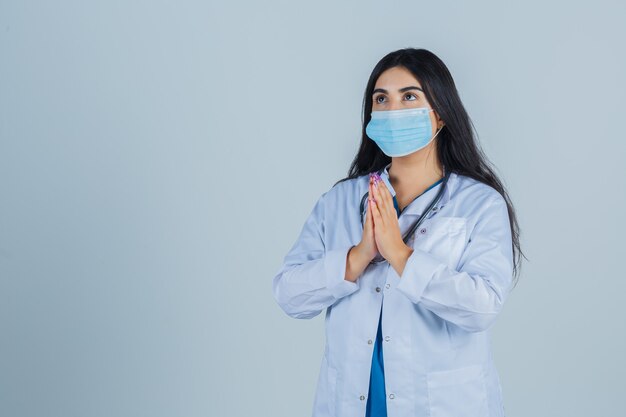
(383, 204)
(385, 195)
(368, 210)
(378, 220)
(378, 194)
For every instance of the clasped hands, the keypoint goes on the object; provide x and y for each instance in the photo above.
(381, 231)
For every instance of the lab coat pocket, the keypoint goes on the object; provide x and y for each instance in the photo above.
(442, 237)
(459, 392)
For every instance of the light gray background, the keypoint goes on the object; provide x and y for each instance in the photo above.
(158, 159)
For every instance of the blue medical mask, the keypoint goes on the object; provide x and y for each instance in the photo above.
(401, 132)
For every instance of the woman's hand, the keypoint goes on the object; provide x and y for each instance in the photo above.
(386, 227)
(367, 247)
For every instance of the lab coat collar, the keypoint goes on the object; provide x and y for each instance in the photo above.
(417, 206)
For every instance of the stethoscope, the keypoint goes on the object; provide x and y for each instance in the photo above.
(409, 234)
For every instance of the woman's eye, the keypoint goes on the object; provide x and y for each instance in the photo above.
(377, 98)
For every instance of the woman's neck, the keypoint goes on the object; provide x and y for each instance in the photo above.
(411, 175)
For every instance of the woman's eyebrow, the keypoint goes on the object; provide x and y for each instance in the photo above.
(402, 90)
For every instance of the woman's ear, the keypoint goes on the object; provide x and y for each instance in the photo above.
(440, 122)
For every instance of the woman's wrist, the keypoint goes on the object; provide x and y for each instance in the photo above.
(356, 263)
(398, 262)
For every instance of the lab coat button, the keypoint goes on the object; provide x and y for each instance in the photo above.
(386, 338)
(362, 397)
(377, 289)
(392, 396)
(387, 286)
(369, 342)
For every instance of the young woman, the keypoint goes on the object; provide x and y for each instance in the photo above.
(412, 256)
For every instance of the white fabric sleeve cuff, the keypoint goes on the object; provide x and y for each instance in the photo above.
(420, 268)
(335, 270)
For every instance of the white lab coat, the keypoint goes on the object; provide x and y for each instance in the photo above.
(436, 317)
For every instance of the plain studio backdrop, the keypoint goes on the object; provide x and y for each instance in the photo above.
(159, 158)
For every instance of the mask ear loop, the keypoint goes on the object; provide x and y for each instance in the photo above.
(440, 129)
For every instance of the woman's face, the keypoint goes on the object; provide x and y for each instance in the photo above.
(397, 89)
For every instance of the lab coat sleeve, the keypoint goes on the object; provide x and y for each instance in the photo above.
(473, 296)
(312, 277)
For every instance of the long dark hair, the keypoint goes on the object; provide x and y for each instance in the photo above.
(457, 147)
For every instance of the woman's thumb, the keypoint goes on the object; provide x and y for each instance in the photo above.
(369, 220)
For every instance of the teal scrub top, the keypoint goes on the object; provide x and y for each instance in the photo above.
(376, 399)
